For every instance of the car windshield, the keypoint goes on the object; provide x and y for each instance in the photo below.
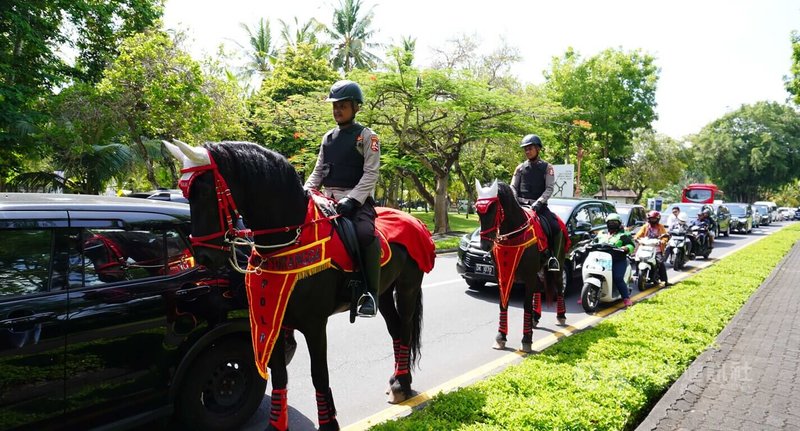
(563, 211)
(690, 210)
(738, 210)
(761, 209)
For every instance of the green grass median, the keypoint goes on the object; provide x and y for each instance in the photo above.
(609, 376)
(459, 225)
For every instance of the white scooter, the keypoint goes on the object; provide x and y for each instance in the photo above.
(597, 279)
(645, 262)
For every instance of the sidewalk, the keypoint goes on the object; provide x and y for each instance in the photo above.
(750, 378)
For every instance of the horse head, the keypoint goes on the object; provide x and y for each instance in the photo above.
(233, 184)
(498, 212)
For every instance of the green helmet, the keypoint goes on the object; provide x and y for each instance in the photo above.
(613, 217)
(345, 90)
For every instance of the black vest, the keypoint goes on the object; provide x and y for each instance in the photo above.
(531, 179)
(345, 163)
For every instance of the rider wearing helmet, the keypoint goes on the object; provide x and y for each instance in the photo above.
(620, 238)
(347, 167)
(532, 184)
(704, 219)
(654, 229)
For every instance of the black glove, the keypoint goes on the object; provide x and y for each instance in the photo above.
(537, 206)
(347, 206)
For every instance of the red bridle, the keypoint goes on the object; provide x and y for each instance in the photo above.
(226, 207)
(482, 207)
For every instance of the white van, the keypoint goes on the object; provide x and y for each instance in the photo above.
(773, 209)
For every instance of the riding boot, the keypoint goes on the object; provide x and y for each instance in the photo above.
(371, 266)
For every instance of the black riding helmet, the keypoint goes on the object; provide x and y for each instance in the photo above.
(531, 140)
(345, 90)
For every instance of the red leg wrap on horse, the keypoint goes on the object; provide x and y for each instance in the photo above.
(561, 308)
(537, 303)
(278, 415)
(401, 360)
(503, 322)
(326, 411)
(527, 326)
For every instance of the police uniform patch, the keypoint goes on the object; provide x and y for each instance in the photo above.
(374, 146)
(550, 170)
(359, 138)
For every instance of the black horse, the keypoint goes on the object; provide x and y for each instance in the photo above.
(504, 224)
(268, 193)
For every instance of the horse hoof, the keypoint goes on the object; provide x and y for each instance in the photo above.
(396, 397)
(526, 347)
(499, 345)
(562, 321)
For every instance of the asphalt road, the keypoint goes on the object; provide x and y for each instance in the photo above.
(459, 329)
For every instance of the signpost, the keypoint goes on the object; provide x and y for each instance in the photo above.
(565, 181)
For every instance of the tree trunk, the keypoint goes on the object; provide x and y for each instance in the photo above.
(578, 159)
(441, 222)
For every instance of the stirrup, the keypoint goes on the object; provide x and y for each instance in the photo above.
(552, 264)
(366, 306)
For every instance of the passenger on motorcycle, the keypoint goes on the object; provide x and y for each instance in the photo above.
(654, 229)
(620, 238)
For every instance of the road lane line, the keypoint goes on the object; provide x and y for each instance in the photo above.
(500, 363)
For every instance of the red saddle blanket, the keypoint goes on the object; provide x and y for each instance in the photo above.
(272, 277)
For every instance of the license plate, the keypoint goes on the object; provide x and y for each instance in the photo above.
(484, 269)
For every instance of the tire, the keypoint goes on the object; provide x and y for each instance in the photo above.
(476, 284)
(222, 389)
(680, 260)
(641, 280)
(590, 297)
(566, 276)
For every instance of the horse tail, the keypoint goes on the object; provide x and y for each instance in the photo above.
(415, 341)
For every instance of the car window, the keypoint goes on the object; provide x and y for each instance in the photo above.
(597, 215)
(25, 261)
(112, 255)
(581, 216)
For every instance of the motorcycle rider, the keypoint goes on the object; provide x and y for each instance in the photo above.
(704, 220)
(654, 229)
(673, 217)
(532, 184)
(621, 239)
(347, 166)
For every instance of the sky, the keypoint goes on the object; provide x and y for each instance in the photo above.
(713, 55)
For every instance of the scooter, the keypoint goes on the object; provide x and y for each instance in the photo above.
(701, 243)
(645, 263)
(679, 247)
(597, 279)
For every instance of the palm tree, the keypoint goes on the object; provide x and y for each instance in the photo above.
(304, 34)
(351, 34)
(260, 52)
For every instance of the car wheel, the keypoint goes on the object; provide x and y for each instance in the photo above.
(566, 276)
(222, 389)
(476, 284)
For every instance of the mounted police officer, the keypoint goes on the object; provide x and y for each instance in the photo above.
(347, 167)
(533, 183)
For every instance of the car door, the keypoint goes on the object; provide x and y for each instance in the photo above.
(125, 329)
(33, 308)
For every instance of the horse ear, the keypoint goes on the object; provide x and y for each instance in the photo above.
(175, 151)
(478, 186)
(493, 188)
(196, 156)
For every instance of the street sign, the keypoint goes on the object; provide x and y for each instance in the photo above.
(565, 181)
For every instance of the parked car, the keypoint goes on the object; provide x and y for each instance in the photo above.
(633, 216)
(797, 213)
(172, 195)
(741, 217)
(786, 213)
(583, 218)
(105, 321)
(722, 217)
(763, 214)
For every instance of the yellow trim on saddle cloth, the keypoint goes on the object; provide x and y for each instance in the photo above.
(506, 258)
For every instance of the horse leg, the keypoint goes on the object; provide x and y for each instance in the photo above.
(537, 308)
(317, 351)
(404, 321)
(278, 412)
(527, 324)
(502, 331)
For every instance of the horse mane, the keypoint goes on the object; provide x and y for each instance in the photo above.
(258, 171)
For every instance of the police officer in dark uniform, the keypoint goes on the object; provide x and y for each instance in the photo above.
(347, 167)
(533, 183)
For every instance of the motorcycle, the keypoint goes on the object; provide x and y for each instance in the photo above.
(645, 263)
(597, 279)
(679, 246)
(701, 243)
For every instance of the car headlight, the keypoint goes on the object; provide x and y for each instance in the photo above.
(463, 243)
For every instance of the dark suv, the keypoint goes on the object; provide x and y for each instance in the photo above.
(106, 321)
(583, 217)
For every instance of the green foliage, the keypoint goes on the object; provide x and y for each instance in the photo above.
(351, 35)
(458, 222)
(297, 71)
(607, 377)
(655, 164)
(792, 82)
(752, 150)
(260, 52)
